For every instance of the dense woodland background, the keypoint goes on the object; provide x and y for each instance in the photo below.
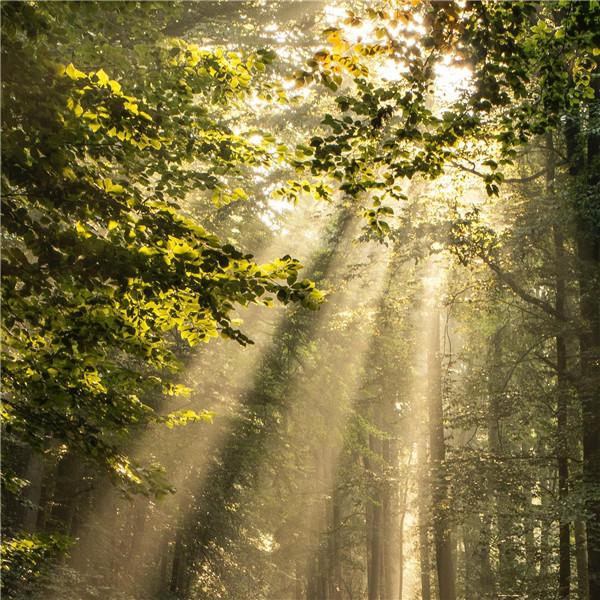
(301, 300)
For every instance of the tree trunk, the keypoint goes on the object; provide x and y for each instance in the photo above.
(439, 482)
(33, 492)
(496, 487)
(529, 523)
(583, 592)
(67, 494)
(335, 559)
(387, 527)
(374, 527)
(423, 517)
(545, 549)
(585, 167)
(588, 250)
(562, 397)
(402, 506)
(178, 575)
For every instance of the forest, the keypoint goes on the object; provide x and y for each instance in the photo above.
(300, 300)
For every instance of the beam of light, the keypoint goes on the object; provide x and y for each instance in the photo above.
(432, 279)
(431, 276)
(355, 295)
(200, 441)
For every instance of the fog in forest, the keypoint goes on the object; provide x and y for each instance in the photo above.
(301, 300)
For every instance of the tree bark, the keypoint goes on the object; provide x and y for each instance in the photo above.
(584, 166)
(423, 517)
(389, 530)
(374, 527)
(67, 494)
(562, 395)
(588, 250)
(402, 506)
(33, 492)
(583, 592)
(439, 480)
(335, 546)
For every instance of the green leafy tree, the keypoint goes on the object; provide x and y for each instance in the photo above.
(103, 271)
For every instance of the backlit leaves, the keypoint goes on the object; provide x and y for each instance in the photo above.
(105, 281)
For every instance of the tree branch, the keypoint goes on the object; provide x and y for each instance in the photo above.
(511, 282)
(474, 171)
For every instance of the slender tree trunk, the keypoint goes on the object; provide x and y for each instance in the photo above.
(387, 528)
(67, 493)
(423, 516)
(162, 581)
(390, 515)
(529, 522)
(562, 400)
(545, 530)
(335, 542)
(337, 549)
(496, 488)
(588, 249)
(298, 588)
(33, 492)
(177, 584)
(583, 592)
(584, 166)
(402, 506)
(472, 528)
(439, 482)
(374, 526)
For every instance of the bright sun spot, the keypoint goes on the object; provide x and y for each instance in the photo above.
(256, 102)
(451, 80)
(280, 206)
(334, 13)
(360, 33)
(391, 70)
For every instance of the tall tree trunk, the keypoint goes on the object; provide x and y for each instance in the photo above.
(439, 482)
(496, 488)
(33, 492)
(529, 522)
(388, 568)
(545, 531)
(562, 398)
(423, 516)
(473, 564)
(162, 578)
(584, 165)
(177, 584)
(583, 592)
(335, 559)
(67, 493)
(588, 250)
(374, 525)
(402, 506)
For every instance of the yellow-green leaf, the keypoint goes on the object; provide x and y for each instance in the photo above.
(74, 73)
(103, 78)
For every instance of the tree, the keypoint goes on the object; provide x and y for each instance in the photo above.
(102, 270)
(108, 280)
